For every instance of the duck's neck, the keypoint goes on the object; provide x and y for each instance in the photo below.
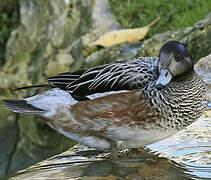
(187, 82)
(184, 99)
(188, 92)
(185, 77)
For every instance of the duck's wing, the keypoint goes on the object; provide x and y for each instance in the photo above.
(130, 108)
(134, 74)
(62, 80)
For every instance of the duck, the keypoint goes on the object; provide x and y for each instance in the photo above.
(122, 104)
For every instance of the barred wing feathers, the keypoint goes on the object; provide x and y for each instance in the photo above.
(134, 74)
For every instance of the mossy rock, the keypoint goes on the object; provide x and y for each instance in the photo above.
(197, 39)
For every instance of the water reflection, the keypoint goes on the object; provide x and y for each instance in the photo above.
(93, 165)
(136, 165)
(189, 149)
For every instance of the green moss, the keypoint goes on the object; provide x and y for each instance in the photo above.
(9, 19)
(174, 14)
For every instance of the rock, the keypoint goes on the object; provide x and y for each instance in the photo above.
(88, 164)
(203, 68)
(197, 39)
(8, 138)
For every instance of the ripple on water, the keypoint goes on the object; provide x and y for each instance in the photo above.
(189, 149)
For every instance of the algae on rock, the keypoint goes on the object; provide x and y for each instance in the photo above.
(197, 39)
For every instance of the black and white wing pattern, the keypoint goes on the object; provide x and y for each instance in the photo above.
(64, 79)
(129, 75)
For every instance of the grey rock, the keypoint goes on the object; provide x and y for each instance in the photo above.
(8, 139)
(203, 68)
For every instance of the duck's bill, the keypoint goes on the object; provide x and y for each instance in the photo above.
(209, 105)
(163, 79)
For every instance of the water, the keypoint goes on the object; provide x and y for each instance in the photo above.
(189, 149)
(184, 156)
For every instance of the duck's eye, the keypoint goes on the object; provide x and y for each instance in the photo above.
(177, 57)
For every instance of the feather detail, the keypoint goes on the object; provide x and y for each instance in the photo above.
(21, 106)
(109, 77)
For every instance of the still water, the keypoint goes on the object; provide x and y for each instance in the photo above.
(186, 155)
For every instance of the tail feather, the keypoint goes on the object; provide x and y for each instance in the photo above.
(21, 106)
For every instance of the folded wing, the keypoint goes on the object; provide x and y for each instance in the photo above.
(110, 77)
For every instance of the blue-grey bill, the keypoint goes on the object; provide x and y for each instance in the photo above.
(164, 77)
(209, 105)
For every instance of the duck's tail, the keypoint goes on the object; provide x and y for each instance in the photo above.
(46, 104)
(21, 106)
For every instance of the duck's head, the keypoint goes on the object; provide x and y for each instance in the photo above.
(174, 61)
